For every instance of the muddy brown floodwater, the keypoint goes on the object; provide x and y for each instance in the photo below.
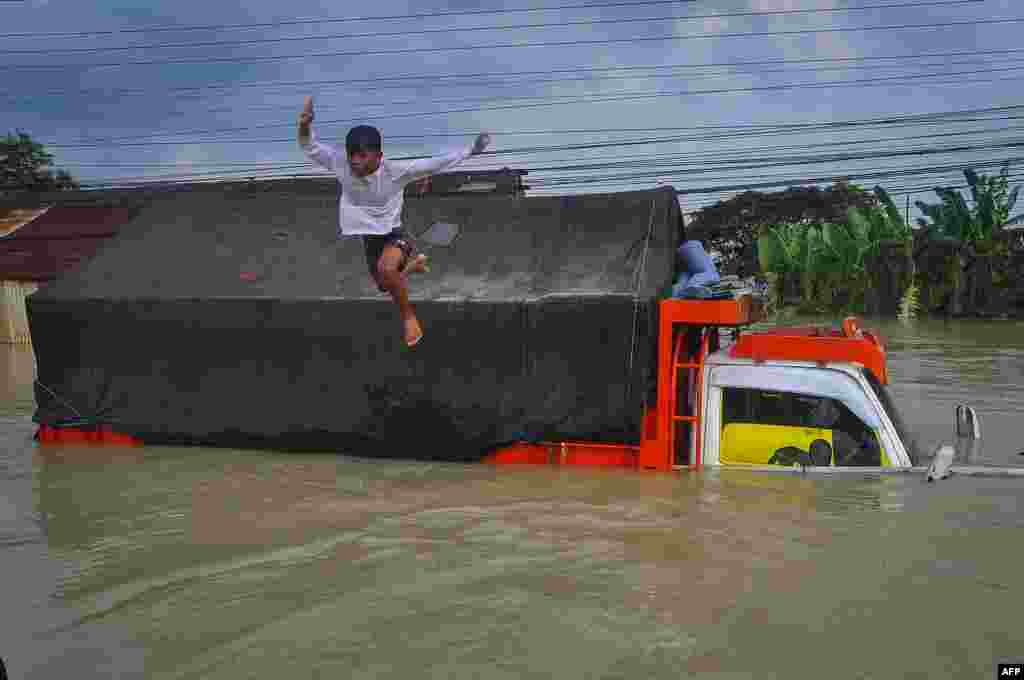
(204, 563)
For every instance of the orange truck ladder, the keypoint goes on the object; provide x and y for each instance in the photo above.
(678, 320)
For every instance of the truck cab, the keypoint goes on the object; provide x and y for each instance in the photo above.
(792, 396)
(779, 412)
(767, 398)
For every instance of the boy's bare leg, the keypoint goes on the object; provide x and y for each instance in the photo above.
(394, 282)
(418, 265)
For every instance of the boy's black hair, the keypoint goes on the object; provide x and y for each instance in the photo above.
(363, 138)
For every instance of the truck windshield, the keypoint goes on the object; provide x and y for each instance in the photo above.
(909, 441)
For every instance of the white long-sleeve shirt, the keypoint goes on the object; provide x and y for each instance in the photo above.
(373, 204)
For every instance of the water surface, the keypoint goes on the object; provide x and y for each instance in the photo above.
(201, 563)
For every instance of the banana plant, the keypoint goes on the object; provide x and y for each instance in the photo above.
(952, 218)
(993, 200)
(843, 248)
(877, 224)
(784, 248)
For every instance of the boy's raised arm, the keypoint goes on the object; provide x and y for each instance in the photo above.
(306, 123)
(322, 154)
(419, 169)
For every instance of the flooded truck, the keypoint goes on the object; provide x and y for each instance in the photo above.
(731, 396)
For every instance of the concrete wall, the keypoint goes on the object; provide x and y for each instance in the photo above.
(13, 319)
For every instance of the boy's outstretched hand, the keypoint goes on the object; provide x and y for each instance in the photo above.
(482, 140)
(306, 117)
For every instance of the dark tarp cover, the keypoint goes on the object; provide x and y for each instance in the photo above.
(232, 315)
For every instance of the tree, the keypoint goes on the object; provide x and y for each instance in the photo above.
(732, 227)
(25, 165)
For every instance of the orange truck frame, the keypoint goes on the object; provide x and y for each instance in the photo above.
(678, 321)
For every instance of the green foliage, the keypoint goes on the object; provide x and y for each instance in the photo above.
(878, 223)
(828, 248)
(952, 218)
(782, 248)
(910, 304)
(773, 253)
(829, 256)
(732, 227)
(24, 165)
(842, 249)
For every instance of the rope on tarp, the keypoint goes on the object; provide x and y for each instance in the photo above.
(80, 419)
(63, 401)
(636, 303)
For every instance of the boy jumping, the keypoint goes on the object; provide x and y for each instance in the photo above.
(372, 193)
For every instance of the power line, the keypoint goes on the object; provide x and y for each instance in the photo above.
(744, 159)
(564, 100)
(676, 158)
(566, 181)
(694, 156)
(943, 170)
(683, 168)
(714, 198)
(558, 43)
(604, 99)
(669, 76)
(673, 75)
(752, 185)
(541, 184)
(470, 29)
(748, 129)
(942, 179)
(920, 189)
(680, 165)
(597, 96)
(720, 135)
(299, 22)
(636, 178)
(735, 160)
(419, 78)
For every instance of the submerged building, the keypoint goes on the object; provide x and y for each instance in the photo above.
(39, 243)
(230, 315)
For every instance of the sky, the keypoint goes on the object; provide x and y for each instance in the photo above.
(707, 96)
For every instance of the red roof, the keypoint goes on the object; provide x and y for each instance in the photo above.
(59, 239)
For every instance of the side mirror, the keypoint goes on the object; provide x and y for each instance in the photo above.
(967, 433)
(966, 423)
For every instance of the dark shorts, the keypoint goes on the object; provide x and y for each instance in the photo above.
(374, 246)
